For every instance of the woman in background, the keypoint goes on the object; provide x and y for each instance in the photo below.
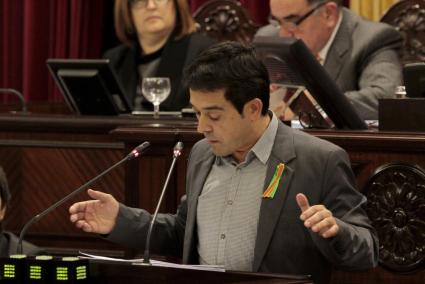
(158, 39)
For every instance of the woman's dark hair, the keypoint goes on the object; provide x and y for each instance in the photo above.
(311, 2)
(4, 189)
(234, 67)
(126, 31)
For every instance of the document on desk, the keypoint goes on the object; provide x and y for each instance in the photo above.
(139, 261)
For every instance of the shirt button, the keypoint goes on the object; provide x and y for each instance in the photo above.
(222, 236)
(230, 202)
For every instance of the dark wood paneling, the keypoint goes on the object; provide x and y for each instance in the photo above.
(48, 156)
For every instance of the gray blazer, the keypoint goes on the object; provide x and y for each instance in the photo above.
(314, 167)
(363, 61)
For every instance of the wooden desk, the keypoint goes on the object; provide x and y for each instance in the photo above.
(47, 157)
(112, 273)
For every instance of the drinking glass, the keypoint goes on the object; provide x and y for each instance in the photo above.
(156, 90)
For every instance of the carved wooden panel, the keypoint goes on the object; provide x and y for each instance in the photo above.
(408, 17)
(225, 20)
(396, 207)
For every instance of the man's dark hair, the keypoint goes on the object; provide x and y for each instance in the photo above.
(234, 67)
(4, 189)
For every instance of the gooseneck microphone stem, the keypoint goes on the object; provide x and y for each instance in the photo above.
(176, 153)
(18, 94)
(134, 154)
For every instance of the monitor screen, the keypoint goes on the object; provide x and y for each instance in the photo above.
(89, 86)
(290, 62)
(414, 79)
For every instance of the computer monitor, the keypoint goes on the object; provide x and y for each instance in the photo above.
(414, 79)
(290, 62)
(89, 86)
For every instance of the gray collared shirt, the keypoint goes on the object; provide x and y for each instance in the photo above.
(229, 206)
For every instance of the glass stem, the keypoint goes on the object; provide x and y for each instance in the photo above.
(156, 110)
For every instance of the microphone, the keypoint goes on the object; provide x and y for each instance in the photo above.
(132, 155)
(18, 94)
(176, 153)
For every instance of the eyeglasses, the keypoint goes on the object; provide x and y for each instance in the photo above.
(138, 4)
(292, 24)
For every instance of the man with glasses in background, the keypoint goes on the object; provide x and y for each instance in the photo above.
(359, 55)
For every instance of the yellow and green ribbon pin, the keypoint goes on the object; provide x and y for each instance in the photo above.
(274, 183)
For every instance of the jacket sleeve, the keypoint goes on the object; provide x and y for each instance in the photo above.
(167, 234)
(355, 247)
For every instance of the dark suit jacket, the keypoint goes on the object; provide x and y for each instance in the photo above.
(176, 55)
(9, 246)
(363, 61)
(314, 167)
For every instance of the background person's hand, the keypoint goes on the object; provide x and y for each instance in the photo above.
(317, 218)
(95, 216)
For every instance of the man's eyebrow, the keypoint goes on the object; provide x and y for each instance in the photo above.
(291, 16)
(287, 18)
(208, 108)
(213, 108)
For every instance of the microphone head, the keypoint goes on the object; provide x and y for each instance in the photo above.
(178, 149)
(138, 150)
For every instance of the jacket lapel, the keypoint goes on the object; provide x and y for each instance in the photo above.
(339, 49)
(200, 172)
(271, 209)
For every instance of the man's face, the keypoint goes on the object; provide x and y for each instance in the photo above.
(315, 30)
(227, 131)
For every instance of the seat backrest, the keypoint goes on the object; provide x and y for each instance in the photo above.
(225, 20)
(408, 17)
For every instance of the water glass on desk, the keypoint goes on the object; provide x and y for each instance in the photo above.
(156, 90)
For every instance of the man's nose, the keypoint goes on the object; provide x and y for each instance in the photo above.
(203, 126)
(283, 32)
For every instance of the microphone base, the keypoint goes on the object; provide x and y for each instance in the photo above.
(147, 263)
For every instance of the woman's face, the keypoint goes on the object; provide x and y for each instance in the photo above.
(153, 17)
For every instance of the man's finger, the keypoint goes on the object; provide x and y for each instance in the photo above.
(77, 207)
(302, 202)
(98, 195)
(77, 216)
(84, 226)
(332, 232)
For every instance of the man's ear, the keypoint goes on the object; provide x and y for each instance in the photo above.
(253, 108)
(2, 212)
(330, 13)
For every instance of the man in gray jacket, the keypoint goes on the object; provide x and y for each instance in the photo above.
(359, 55)
(259, 196)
